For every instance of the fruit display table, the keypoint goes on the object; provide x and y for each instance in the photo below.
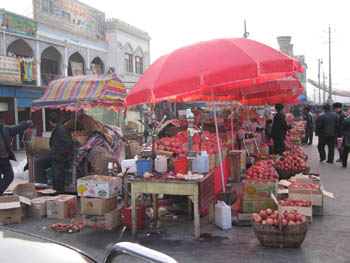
(198, 191)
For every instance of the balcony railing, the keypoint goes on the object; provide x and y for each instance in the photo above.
(46, 78)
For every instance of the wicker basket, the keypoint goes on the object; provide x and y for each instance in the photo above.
(271, 236)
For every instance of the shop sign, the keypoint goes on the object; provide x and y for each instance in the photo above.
(20, 25)
(10, 70)
(71, 16)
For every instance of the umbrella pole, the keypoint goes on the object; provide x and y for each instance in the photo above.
(218, 140)
(232, 123)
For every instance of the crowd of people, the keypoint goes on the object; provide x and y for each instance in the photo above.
(332, 127)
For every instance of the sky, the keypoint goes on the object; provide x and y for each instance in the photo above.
(173, 24)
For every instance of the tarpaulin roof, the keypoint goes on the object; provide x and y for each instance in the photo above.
(82, 92)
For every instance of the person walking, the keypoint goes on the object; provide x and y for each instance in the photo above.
(6, 152)
(338, 108)
(61, 145)
(346, 141)
(309, 128)
(326, 130)
(279, 130)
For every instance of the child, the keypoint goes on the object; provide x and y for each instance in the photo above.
(268, 128)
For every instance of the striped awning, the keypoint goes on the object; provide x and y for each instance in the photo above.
(83, 92)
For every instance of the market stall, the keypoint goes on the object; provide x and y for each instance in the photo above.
(77, 94)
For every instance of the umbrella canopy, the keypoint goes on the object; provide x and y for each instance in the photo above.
(221, 64)
(275, 91)
(82, 92)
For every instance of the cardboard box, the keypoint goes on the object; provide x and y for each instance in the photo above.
(305, 179)
(22, 188)
(62, 207)
(212, 161)
(306, 211)
(99, 186)
(11, 210)
(253, 190)
(97, 206)
(313, 195)
(254, 206)
(108, 221)
(38, 207)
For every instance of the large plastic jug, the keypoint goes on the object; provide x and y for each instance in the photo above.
(201, 163)
(223, 216)
(161, 164)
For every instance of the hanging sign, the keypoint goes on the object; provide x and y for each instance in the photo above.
(10, 69)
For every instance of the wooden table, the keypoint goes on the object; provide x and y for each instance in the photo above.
(198, 191)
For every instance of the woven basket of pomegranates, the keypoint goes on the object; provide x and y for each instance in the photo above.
(272, 236)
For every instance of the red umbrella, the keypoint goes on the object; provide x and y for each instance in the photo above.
(272, 92)
(218, 65)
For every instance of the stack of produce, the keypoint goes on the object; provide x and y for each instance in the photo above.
(292, 164)
(280, 230)
(179, 146)
(299, 203)
(259, 183)
(262, 169)
(179, 143)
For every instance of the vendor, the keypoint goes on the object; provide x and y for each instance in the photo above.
(279, 129)
(268, 130)
(61, 145)
(6, 152)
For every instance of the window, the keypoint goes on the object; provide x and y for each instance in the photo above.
(139, 65)
(129, 65)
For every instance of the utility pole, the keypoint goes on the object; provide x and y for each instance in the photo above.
(330, 66)
(246, 34)
(319, 80)
(324, 86)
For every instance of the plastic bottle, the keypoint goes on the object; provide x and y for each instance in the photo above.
(201, 163)
(223, 216)
(161, 164)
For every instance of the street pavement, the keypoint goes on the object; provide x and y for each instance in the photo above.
(328, 238)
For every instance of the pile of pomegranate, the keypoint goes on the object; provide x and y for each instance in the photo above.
(179, 144)
(262, 169)
(289, 202)
(296, 151)
(295, 133)
(271, 218)
(292, 162)
(304, 186)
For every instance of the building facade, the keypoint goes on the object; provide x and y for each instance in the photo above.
(59, 43)
(286, 47)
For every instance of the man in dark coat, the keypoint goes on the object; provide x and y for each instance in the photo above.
(6, 152)
(61, 145)
(346, 141)
(309, 129)
(338, 108)
(279, 130)
(326, 130)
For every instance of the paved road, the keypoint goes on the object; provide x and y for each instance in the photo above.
(328, 239)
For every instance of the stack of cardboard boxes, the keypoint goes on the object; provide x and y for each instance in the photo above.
(257, 195)
(99, 203)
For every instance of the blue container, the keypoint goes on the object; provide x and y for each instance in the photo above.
(143, 166)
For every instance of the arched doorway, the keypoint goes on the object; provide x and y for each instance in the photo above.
(97, 66)
(20, 48)
(76, 65)
(50, 65)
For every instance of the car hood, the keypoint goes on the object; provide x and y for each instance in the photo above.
(19, 247)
